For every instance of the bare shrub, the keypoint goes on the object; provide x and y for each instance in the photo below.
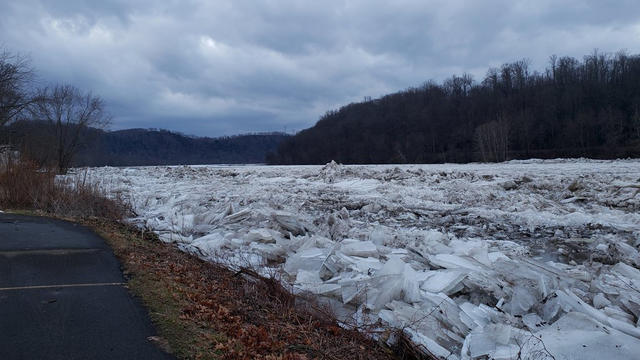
(23, 185)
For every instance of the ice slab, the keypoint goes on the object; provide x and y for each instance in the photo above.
(310, 259)
(521, 301)
(578, 336)
(289, 222)
(210, 244)
(359, 248)
(443, 281)
(261, 235)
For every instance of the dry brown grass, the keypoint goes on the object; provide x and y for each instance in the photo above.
(24, 186)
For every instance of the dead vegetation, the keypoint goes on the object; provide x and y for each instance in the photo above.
(25, 186)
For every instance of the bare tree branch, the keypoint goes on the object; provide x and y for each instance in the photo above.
(16, 75)
(70, 112)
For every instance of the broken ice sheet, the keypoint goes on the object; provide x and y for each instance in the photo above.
(578, 336)
(436, 219)
(396, 279)
(600, 301)
(444, 281)
(450, 261)
(569, 300)
(261, 235)
(353, 286)
(309, 259)
(532, 321)
(270, 251)
(311, 282)
(359, 248)
(210, 244)
(239, 216)
(521, 301)
(367, 265)
(289, 222)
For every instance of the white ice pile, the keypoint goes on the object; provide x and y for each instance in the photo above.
(528, 259)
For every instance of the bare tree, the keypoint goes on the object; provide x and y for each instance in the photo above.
(69, 112)
(16, 75)
(636, 121)
(492, 140)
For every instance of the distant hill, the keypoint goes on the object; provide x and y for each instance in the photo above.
(139, 147)
(161, 147)
(574, 108)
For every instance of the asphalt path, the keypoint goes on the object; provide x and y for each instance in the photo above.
(62, 296)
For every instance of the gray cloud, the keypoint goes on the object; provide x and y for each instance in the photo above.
(224, 67)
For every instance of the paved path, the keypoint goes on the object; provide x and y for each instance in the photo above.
(62, 296)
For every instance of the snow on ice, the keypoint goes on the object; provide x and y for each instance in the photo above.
(526, 258)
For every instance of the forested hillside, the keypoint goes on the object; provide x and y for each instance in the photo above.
(136, 147)
(573, 108)
(161, 147)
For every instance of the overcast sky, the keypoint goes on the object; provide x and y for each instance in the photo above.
(210, 68)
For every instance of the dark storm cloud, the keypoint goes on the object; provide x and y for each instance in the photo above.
(223, 67)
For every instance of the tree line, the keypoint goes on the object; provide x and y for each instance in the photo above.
(573, 108)
(66, 111)
(145, 147)
(136, 147)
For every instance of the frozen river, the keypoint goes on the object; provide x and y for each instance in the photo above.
(526, 258)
